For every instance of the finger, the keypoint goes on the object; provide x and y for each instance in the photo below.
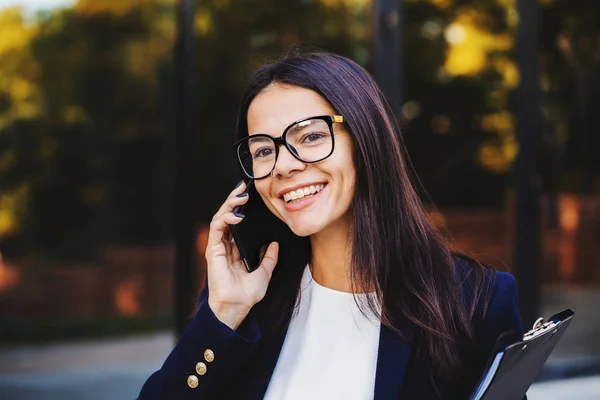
(226, 236)
(227, 246)
(218, 228)
(239, 188)
(231, 203)
(232, 195)
(269, 261)
(233, 257)
(235, 252)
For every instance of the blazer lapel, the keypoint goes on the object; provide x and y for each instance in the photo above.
(392, 360)
(269, 354)
(258, 373)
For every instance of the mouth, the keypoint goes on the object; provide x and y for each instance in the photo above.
(303, 193)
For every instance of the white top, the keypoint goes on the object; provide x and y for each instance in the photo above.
(330, 349)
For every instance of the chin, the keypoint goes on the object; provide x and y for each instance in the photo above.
(303, 229)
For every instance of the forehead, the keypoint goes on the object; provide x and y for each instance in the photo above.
(277, 106)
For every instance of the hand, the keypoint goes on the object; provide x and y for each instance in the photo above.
(232, 290)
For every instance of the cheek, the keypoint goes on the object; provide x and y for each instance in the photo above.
(348, 195)
(346, 178)
(344, 159)
(349, 186)
(348, 175)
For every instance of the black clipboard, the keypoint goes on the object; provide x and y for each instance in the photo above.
(512, 368)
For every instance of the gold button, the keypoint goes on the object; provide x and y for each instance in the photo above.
(201, 368)
(209, 355)
(193, 381)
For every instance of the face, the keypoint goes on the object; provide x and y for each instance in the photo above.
(273, 110)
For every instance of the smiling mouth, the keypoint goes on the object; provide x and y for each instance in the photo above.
(296, 196)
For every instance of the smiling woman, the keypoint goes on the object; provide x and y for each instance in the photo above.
(380, 307)
(327, 163)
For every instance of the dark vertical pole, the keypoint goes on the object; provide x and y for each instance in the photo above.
(584, 83)
(386, 48)
(527, 234)
(185, 276)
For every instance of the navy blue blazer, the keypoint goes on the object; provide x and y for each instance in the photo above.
(244, 360)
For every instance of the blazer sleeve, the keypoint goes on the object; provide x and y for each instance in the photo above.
(502, 313)
(230, 350)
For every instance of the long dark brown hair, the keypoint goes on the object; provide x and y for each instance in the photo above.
(395, 248)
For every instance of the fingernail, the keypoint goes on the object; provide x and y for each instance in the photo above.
(239, 184)
(244, 194)
(239, 214)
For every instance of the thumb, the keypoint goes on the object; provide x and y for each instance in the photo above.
(269, 261)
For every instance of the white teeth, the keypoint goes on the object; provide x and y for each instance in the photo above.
(300, 193)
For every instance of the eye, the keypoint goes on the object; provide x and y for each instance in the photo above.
(263, 152)
(313, 137)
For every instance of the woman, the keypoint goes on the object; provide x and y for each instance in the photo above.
(379, 307)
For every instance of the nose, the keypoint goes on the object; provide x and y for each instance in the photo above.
(286, 163)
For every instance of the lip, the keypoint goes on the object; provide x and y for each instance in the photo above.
(304, 203)
(289, 189)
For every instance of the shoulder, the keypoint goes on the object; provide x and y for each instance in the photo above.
(492, 296)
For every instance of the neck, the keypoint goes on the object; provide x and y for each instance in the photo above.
(331, 252)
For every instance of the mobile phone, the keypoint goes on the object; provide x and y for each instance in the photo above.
(259, 228)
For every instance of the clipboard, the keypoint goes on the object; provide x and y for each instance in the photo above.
(512, 368)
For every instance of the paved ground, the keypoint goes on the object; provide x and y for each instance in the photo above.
(578, 388)
(96, 370)
(116, 369)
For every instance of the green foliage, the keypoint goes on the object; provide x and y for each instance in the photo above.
(240, 37)
(87, 106)
(88, 156)
(96, 157)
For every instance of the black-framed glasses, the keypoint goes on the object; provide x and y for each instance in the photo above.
(309, 140)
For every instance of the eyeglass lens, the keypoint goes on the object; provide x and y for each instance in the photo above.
(309, 141)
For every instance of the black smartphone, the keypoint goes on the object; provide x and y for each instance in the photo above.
(259, 228)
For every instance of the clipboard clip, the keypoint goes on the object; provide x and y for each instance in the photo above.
(539, 327)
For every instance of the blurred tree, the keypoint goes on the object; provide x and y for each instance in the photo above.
(570, 48)
(236, 36)
(88, 156)
(18, 95)
(87, 164)
(459, 127)
(86, 104)
(462, 79)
